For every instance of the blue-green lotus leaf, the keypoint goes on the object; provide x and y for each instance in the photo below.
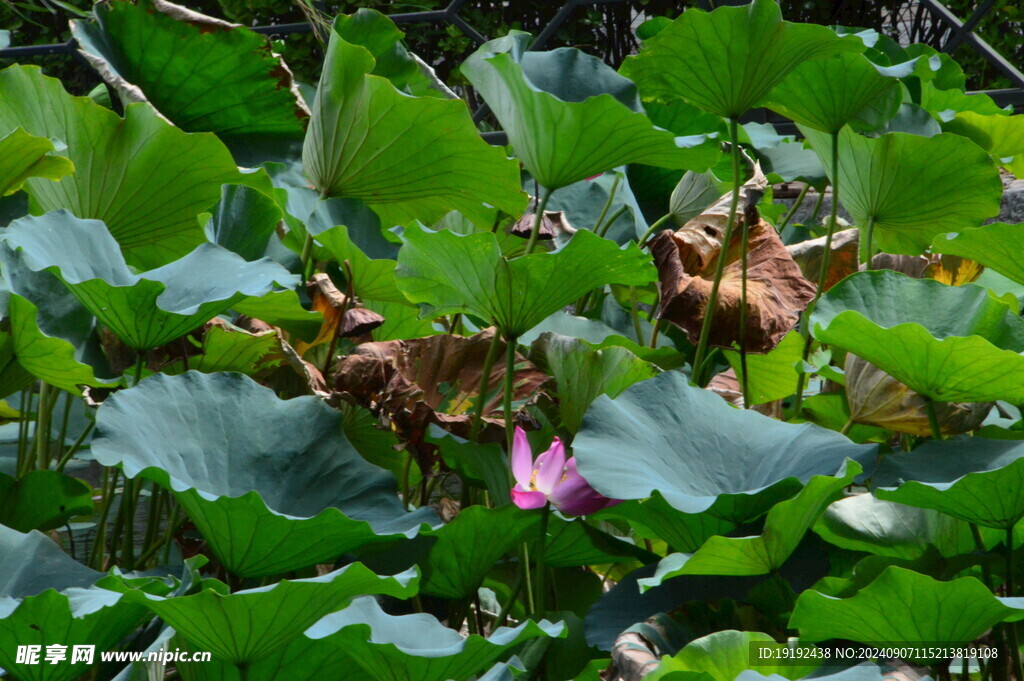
(243, 627)
(144, 310)
(31, 563)
(974, 479)
(42, 500)
(569, 116)
(950, 343)
(269, 496)
(691, 446)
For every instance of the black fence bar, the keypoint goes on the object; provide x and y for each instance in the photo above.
(997, 60)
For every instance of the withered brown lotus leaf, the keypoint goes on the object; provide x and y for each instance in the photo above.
(842, 263)
(553, 224)
(953, 270)
(878, 399)
(777, 292)
(358, 321)
(416, 382)
(333, 304)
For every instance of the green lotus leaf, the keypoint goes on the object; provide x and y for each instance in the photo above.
(654, 518)
(915, 606)
(406, 157)
(996, 246)
(582, 204)
(973, 479)
(1000, 135)
(949, 343)
(230, 349)
(54, 336)
(452, 273)
(582, 372)
(723, 656)
(42, 500)
(599, 335)
(690, 445)
(275, 499)
(145, 310)
(885, 528)
(372, 279)
(31, 563)
(378, 34)
(784, 528)
(401, 322)
(203, 74)
(771, 376)
(569, 116)
(576, 543)
(912, 188)
(146, 179)
(243, 627)
(808, 94)
(13, 378)
(243, 221)
(728, 60)
(23, 156)
(284, 309)
(96, 616)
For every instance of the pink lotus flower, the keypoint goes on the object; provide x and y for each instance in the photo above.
(552, 479)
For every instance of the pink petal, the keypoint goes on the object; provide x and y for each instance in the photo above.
(528, 500)
(549, 467)
(522, 458)
(575, 496)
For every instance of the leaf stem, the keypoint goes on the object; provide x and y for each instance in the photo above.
(510, 368)
(635, 314)
(933, 418)
(1011, 627)
(538, 600)
(485, 380)
(542, 203)
(74, 447)
(826, 258)
(653, 228)
(867, 251)
(605, 226)
(42, 441)
(730, 225)
(796, 206)
(608, 203)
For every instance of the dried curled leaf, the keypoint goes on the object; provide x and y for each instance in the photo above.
(777, 292)
(413, 383)
(339, 315)
(553, 224)
(878, 399)
(727, 386)
(842, 263)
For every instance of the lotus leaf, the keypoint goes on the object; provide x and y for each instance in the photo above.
(42, 500)
(913, 605)
(1001, 136)
(407, 157)
(32, 563)
(995, 246)
(663, 434)
(728, 60)
(723, 656)
(451, 273)
(26, 156)
(976, 480)
(203, 74)
(569, 116)
(243, 627)
(146, 179)
(909, 188)
(784, 528)
(949, 343)
(267, 498)
(145, 310)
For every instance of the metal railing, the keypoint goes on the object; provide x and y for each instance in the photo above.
(962, 30)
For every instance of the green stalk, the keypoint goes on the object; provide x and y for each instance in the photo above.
(933, 418)
(608, 203)
(1011, 627)
(513, 594)
(538, 600)
(510, 367)
(730, 225)
(796, 206)
(868, 246)
(653, 228)
(603, 229)
(140, 361)
(109, 493)
(24, 408)
(654, 333)
(64, 422)
(822, 272)
(129, 504)
(492, 354)
(42, 441)
(635, 314)
(74, 447)
(542, 203)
